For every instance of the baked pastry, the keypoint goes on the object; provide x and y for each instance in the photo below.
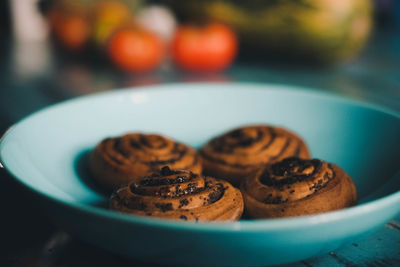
(237, 153)
(117, 161)
(295, 186)
(179, 194)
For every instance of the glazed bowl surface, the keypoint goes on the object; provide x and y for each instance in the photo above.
(46, 152)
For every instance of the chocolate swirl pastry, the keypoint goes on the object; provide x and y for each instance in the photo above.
(178, 194)
(294, 187)
(117, 161)
(235, 154)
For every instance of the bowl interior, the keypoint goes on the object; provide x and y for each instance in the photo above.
(46, 151)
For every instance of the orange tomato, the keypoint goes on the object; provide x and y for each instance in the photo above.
(70, 24)
(73, 32)
(209, 48)
(135, 50)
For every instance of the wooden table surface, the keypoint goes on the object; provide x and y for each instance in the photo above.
(29, 239)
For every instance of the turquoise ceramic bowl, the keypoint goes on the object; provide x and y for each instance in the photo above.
(45, 151)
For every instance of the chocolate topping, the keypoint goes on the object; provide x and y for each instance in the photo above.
(224, 162)
(117, 161)
(118, 147)
(290, 171)
(274, 200)
(294, 165)
(203, 198)
(159, 179)
(291, 179)
(247, 148)
(236, 133)
(165, 181)
(178, 153)
(315, 186)
(164, 206)
(166, 171)
(183, 202)
(158, 141)
(237, 138)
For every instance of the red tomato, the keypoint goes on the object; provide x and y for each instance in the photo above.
(72, 30)
(209, 48)
(135, 50)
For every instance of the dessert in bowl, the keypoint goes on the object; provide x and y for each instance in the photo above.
(360, 138)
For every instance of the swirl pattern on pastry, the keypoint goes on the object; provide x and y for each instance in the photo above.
(294, 187)
(178, 194)
(236, 153)
(117, 161)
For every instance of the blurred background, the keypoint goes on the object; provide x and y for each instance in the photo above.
(53, 50)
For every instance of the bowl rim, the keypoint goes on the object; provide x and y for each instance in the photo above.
(239, 226)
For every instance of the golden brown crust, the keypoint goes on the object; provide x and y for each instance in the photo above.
(294, 187)
(235, 154)
(117, 161)
(180, 195)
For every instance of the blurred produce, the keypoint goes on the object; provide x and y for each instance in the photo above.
(107, 17)
(136, 37)
(135, 50)
(324, 31)
(158, 19)
(212, 47)
(70, 24)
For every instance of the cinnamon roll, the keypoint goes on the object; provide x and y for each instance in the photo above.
(236, 153)
(117, 161)
(294, 187)
(181, 195)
